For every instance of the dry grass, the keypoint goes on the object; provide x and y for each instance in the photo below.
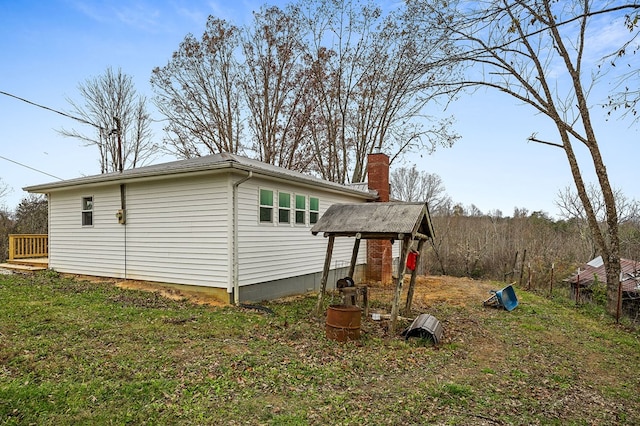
(81, 352)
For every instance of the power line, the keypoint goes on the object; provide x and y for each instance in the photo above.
(51, 109)
(48, 109)
(29, 167)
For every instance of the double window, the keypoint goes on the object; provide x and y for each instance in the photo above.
(286, 204)
(87, 211)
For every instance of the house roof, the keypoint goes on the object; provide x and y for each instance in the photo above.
(206, 164)
(376, 220)
(629, 274)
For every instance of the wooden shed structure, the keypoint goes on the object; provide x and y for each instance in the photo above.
(406, 222)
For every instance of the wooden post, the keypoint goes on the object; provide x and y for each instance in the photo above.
(365, 301)
(412, 283)
(354, 255)
(551, 281)
(619, 304)
(524, 256)
(325, 275)
(398, 293)
(12, 247)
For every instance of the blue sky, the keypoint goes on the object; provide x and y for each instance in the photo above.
(50, 46)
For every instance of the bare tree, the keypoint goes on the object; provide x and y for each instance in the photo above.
(275, 86)
(198, 93)
(625, 95)
(371, 84)
(322, 84)
(534, 51)
(32, 215)
(6, 222)
(4, 189)
(6, 227)
(119, 116)
(572, 209)
(409, 184)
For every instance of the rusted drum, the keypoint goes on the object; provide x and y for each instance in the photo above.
(343, 322)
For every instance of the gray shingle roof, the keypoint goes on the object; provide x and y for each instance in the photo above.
(375, 220)
(209, 163)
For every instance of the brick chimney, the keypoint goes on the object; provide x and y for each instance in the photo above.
(379, 255)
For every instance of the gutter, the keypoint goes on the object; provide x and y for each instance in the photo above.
(157, 172)
(234, 242)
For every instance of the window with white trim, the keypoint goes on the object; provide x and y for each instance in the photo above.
(87, 211)
(284, 207)
(266, 206)
(314, 209)
(301, 209)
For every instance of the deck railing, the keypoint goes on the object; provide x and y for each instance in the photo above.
(25, 246)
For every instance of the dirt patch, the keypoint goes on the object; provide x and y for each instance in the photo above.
(167, 291)
(430, 290)
(170, 292)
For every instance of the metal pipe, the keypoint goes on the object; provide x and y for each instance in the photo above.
(234, 278)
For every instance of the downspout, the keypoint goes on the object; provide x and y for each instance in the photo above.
(236, 284)
(122, 219)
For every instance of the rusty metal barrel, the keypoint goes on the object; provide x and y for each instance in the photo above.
(343, 322)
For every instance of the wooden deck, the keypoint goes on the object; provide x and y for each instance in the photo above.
(27, 253)
(26, 265)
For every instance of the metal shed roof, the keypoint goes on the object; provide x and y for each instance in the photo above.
(629, 274)
(376, 221)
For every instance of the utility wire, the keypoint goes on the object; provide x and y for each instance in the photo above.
(29, 167)
(51, 109)
(48, 109)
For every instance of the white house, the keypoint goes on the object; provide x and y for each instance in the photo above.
(238, 227)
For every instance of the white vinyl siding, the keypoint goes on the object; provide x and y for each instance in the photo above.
(92, 250)
(270, 253)
(178, 231)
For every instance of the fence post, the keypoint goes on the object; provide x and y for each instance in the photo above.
(11, 246)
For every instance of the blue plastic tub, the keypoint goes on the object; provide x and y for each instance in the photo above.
(505, 298)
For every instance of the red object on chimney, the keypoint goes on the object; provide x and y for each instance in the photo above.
(379, 253)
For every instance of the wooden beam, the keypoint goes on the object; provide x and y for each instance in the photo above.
(325, 275)
(398, 293)
(420, 236)
(365, 235)
(354, 256)
(412, 283)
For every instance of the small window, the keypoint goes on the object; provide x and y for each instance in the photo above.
(284, 207)
(87, 211)
(314, 209)
(301, 205)
(266, 205)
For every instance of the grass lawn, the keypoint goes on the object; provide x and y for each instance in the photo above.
(80, 352)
